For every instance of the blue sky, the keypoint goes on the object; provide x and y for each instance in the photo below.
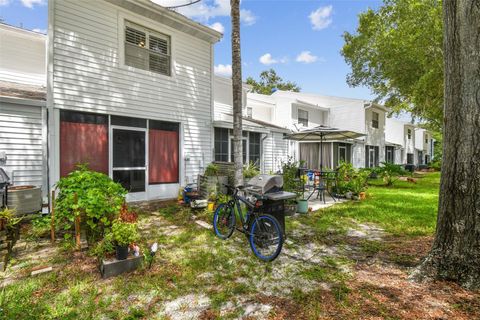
(300, 39)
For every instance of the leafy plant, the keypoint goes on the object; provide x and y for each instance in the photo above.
(104, 247)
(359, 182)
(40, 227)
(390, 172)
(93, 196)
(250, 170)
(211, 170)
(290, 181)
(124, 233)
(127, 214)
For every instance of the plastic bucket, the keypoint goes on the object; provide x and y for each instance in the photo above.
(302, 206)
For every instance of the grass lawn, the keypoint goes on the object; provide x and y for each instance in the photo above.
(349, 261)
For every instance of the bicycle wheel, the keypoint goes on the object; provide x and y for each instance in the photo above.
(266, 237)
(224, 221)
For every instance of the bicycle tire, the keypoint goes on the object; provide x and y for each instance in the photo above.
(272, 232)
(228, 222)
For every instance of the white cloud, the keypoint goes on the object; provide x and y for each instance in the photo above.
(44, 31)
(306, 57)
(31, 3)
(4, 2)
(203, 11)
(267, 59)
(218, 27)
(223, 70)
(321, 18)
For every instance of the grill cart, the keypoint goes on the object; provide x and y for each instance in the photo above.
(269, 189)
(4, 183)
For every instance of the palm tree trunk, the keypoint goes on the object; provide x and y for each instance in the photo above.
(455, 254)
(237, 92)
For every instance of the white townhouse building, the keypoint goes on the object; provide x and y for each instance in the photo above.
(263, 142)
(23, 113)
(296, 111)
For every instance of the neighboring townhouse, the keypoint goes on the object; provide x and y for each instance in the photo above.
(23, 114)
(412, 144)
(130, 92)
(297, 111)
(263, 142)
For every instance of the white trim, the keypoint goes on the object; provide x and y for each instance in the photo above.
(24, 101)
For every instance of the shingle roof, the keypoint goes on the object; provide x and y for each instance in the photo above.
(25, 91)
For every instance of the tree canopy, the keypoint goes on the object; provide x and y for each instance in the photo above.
(397, 51)
(269, 80)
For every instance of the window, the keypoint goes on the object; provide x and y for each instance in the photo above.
(254, 148)
(244, 150)
(303, 117)
(390, 154)
(249, 112)
(409, 134)
(375, 120)
(409, 158)
(221, 144)
(146, 49)
(426, 139)
(371, 156)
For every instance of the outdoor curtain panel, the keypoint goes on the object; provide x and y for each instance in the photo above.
(83, 143)
(310, 153)
(163, 156)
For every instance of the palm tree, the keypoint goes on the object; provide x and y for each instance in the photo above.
(237, 92)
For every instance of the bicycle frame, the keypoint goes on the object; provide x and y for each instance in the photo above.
(236, 203)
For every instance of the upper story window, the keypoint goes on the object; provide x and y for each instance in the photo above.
(375, 119)
(426, 139)
(303, 117)
(146, 49)
(249, 112)
(409, 134)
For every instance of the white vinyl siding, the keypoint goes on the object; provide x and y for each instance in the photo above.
(274, 151)
(23, 140)
(89, 76)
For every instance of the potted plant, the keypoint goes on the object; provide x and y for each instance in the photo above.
(211, 181)
(123, 234)
(302, 203)
(212, 199)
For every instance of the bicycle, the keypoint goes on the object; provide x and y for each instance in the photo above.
(263, 230)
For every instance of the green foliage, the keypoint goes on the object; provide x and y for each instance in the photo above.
(8, 219)
(40, 227)
(397, 52)
(359, 181)
(436, 164)
(103, 247)
(124, 233)
(250, 170)
(269, 80)
(99, 201)
(290, 181)
(211, 170)
(390, 172)
(345, 173)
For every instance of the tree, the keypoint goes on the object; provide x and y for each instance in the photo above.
(269, 80)
(237, 92)
(455, 254)
(397, 52)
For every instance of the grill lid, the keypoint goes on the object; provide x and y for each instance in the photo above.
(264, 183)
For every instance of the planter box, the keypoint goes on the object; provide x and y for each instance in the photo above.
(208, 185)
(114, 267)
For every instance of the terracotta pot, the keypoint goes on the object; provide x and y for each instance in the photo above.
(363, 195)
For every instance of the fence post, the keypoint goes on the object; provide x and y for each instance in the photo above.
(77, 224)
(52, 218)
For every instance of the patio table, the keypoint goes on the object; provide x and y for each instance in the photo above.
(324, 178)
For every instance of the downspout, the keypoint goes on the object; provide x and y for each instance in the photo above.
(262, 162)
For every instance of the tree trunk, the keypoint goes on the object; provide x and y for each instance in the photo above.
(455, 254)
(237, 92)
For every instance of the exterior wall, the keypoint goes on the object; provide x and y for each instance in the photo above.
(89, 75)
(395, 131)
(275, 152)
(409, 144)
(22, 56)
(358, 155)
(23, 138)
(349, 117)
(316, 117)
(376, 136)
(223, 98)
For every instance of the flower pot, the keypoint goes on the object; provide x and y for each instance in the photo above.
(302, 206)
(363, 195)
(121, 253)
(211, 206)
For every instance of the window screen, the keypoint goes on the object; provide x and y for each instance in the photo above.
(303, 117)
(375, 120)
(221, 144)
(254, 148)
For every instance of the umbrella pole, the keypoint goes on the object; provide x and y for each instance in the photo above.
(321, 152)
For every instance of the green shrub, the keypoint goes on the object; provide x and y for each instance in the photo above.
(250, 170)
(124, 233)
(40, 227)
(211, 170)
(390, 172)
(436, 164)
(290, 181)
(99, 201)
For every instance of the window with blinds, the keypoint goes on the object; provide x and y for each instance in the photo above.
(303, 117)
(375, 120)
(146, 49)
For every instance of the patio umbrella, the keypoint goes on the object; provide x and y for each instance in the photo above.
(323, 133)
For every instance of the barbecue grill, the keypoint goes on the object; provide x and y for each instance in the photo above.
(269, 189)
(4, 182)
